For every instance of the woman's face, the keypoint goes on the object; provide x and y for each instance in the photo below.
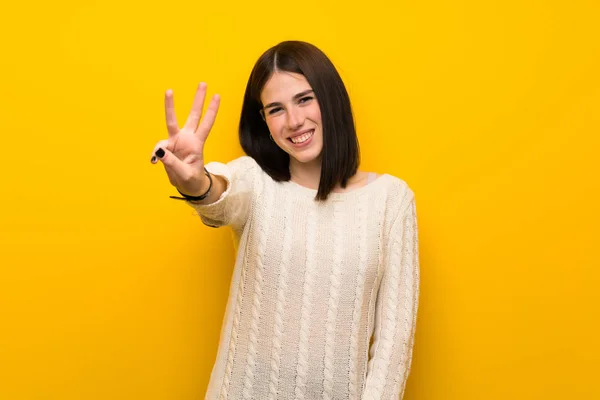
(293, 116)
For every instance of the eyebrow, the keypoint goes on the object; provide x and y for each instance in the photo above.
(296, 97)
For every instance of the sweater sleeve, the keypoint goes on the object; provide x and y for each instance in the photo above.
(390, 354)
(235, 203)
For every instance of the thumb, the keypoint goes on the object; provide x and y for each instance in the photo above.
(172, 163)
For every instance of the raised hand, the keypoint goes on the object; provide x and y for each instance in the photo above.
(182, 154)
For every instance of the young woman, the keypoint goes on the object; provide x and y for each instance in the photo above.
(324, 294)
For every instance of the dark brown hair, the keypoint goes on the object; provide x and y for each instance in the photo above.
(340, 155)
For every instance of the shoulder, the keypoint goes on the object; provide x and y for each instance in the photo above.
(399, 198)
(400, 194)
(243, 162)
(244, 166)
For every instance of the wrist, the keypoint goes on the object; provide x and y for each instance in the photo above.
(204, 186)
(204, 193)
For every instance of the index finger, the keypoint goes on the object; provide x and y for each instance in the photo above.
(172, 125)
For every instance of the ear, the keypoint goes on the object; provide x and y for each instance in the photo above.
(262, 114)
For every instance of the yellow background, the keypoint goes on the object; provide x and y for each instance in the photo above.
(490, 110)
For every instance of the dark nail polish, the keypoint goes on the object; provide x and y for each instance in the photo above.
(160, 153)
(153, 159)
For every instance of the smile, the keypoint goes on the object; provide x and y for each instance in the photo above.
(302, 138)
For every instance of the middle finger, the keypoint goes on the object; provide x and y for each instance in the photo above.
(196, 113)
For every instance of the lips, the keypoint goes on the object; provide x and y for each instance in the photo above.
(302, 137)
(301, 133)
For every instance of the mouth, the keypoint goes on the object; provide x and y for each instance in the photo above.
(303, 138)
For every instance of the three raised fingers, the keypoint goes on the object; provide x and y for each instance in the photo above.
(195, 114)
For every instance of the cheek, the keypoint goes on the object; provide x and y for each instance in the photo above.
(274, 127)
(316, 114)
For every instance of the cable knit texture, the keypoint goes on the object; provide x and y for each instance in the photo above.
(324, 296)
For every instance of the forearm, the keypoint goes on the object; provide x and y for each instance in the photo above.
(396, 313)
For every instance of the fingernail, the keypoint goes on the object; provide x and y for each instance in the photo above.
(160, 153)
(153, 159)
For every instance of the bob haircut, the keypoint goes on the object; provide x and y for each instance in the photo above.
(340, 156)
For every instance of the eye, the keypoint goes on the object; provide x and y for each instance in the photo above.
(274, 110)
(305, 99)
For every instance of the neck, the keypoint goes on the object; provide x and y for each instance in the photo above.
(306, 174)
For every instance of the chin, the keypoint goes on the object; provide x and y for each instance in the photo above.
(308, 155)
(305, 157)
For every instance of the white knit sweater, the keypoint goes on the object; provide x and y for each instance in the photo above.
(313, 283)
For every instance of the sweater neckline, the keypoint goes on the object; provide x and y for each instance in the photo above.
(308, 192)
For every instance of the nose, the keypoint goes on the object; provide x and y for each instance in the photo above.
(295, 118)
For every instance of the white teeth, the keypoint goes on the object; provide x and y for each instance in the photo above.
(303, 138)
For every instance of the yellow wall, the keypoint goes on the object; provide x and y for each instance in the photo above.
(490, 110)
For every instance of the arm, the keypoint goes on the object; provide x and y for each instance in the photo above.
(182, 154)
(218, 186)
(231, 201)
(396, 310)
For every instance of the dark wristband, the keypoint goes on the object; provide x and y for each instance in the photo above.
(196, 198)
